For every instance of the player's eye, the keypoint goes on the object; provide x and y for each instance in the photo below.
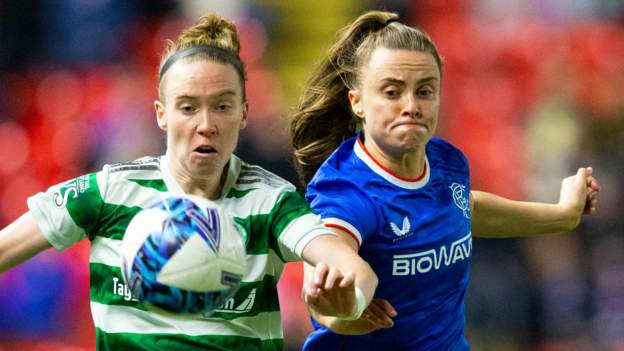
(188, 109)
(426, 92)
(224, 107)
(392, 92)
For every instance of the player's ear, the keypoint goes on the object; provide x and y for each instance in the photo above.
(161, 118)
(243, 122)
(356, 102)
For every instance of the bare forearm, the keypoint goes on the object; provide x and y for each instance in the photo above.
(497, 217)
(335, 253)
(20, 241)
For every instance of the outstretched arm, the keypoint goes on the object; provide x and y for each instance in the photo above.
(20, 241)
(338, 273)
(324, 287)
(497, 217)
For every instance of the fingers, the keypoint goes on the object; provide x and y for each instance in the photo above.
(376, 315)
(386, 306)
(325, 277)
(582, 174)
(591, 202)
(332, 276)
(320, 272)
(592, 184)
(348, 281)
(593, 188)
(310, 295)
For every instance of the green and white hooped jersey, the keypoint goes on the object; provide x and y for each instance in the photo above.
(100, 205)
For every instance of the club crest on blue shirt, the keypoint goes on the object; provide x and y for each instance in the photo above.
(461, 200)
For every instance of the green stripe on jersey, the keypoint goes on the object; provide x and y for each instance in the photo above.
(127, 341)
(83, 201)
(251, 298)
(235, 193)
(289, 207)
(107, 287)
(114, 220)
(157, 184)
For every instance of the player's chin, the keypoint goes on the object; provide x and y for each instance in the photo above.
(411, 143)
(203, 165)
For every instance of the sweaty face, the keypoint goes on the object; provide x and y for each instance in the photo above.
(398, 99)
(202, 112)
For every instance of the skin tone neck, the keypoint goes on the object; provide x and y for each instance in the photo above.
(209, 186)
(398, 101)
(408, 165)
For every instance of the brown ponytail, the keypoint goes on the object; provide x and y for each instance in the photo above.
(323, 118)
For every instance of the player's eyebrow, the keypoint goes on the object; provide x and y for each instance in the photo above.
(402, 82)
(227, 92)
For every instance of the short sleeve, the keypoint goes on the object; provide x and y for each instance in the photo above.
(68, 212)
(342, 204)
(295, 225)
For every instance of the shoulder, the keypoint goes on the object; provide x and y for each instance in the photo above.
(441, 150)
(254, 176)
(330, 187)
(143, 170)
(147, 163)
(257, 188)
(339, 164)
(141, 167)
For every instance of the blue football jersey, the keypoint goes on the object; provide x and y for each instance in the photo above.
(415, 234)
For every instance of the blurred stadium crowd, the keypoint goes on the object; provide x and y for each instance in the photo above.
(532, 89)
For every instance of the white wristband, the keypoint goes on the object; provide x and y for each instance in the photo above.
(360, 306)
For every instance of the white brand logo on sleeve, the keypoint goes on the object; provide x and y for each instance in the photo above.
(424, 262)
(461, 200)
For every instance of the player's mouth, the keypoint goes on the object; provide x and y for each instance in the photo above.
(205, 150)
(412, 124)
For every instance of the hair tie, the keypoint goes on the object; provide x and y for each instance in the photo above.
(209, 49)
(393, 19)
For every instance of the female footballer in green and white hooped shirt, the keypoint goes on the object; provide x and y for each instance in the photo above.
(202, 108)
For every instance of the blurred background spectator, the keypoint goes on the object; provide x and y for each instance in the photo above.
(532, 90)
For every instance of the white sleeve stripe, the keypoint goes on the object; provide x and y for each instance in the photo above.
(345, 226)
(299, 233)
(307, 237)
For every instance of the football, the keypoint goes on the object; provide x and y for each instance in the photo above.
(183, 255)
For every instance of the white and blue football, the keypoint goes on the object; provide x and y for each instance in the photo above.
(184, 254)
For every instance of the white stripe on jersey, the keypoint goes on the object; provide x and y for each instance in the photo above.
(132, 194)
(299, 233)
(259, 201)
(361, 153)
(123, 319)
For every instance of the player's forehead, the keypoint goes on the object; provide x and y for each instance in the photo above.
(201, 79)
(400, 65)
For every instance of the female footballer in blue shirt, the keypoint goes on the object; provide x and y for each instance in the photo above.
(363, 140)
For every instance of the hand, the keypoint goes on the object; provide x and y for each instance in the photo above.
(329, 292)
(378, 315)
(579, 194)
